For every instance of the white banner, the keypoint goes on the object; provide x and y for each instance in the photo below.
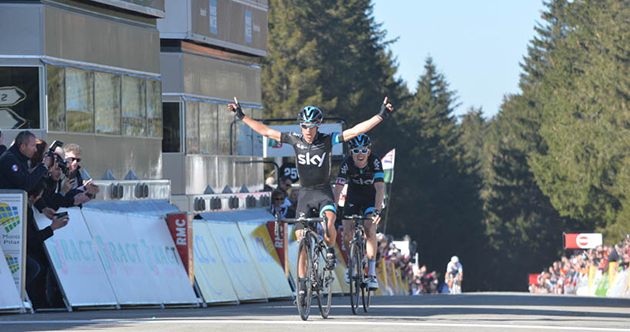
(167, 269)
(210, 273)
(264, 256)
(12, 234)
(77, 263)
(128, 268)
(9, 296)
(271, 148)
(243, 274)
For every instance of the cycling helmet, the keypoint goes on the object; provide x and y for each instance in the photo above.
(360, 141)
(310, 114)
(454, 259)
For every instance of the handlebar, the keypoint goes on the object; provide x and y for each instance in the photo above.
(298, 220)
(356, 217)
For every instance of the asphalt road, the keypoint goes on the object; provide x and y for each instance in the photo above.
(465, 312)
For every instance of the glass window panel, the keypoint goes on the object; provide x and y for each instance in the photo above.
(80, 100)
(56, 91)
(192, 127)
(107, 101)
(134, 111)
(154, 108)
(208, 120)
(225, 120)
(172, 135)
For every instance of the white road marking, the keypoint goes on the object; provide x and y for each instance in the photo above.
(330, 322)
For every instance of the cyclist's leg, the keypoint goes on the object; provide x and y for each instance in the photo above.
(370, 232)
(349, 209)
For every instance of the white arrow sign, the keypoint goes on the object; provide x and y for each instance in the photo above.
(10, 120)
(10, 96)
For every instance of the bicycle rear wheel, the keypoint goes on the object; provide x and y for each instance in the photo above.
(324, 282)
(304, 302)
(356, 277)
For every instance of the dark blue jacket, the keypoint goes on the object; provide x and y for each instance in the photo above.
(14, 172)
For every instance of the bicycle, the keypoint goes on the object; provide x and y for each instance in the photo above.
(456, 288)
(356, 265)
(319, 279)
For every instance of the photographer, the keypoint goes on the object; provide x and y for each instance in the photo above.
(73, 158)
(38, 277)
(14, 168)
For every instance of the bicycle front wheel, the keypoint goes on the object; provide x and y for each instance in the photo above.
(356, 277)
(304, 289)
(324, 283)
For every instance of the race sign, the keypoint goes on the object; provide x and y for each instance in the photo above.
(10, 96)
(582, 240)
(289, 170)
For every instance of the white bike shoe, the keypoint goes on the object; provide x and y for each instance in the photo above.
(372, 282)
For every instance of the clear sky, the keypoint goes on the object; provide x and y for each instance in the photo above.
(477, 45)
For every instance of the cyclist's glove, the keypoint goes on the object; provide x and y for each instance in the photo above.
(239, 112)
(384, 112)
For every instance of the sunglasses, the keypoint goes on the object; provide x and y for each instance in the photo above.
(309, 125)
(357, 150)
(74, 159)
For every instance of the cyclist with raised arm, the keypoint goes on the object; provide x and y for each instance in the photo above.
(363, 172)
(312, 151)
(454, 271)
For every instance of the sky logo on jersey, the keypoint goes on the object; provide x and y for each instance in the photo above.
(307, 159)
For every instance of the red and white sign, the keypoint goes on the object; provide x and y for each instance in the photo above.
(181, 227)
(582, 240)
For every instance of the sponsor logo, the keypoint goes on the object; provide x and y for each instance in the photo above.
(301, 146)
(13, 263)
(344, 169)
(341, 181)
(362, 181)
(9, 217)
(377, 163)
(307, 159)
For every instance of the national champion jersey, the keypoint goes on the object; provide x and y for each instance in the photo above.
(313, 160)
(361, 180)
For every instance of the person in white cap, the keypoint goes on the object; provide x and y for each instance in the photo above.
(454, 275)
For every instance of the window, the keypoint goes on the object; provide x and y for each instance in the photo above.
(79, 100)
(134, 111)
(56, 90)
(172, 133)
(208, 120)
(19, 98)
(107, 100)
(192, 127)
(225, 120)
(154, 108)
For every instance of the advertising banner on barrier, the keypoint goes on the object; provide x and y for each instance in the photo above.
(9, 296)
(13, 234)
(128, 269)
(181, 227)
(278, 241)
(619, 284)
(264, 256)
(342, 246)
(212, 277)
(245, 278)
(165, 265)
(76, 262)
(582, 240)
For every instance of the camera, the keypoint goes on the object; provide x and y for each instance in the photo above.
(63, 165)
(61, 214)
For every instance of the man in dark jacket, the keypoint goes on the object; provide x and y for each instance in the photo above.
(14, 168)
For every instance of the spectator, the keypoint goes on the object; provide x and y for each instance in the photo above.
(293, 199)
(284, 184)
(73, 157)
(14, 168)
(38, 157)
(277, 201)
(268, 184)
(38, 274)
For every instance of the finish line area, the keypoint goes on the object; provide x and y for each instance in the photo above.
(466, 312)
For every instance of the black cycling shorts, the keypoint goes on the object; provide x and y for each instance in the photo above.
(312, 202)
(358, 204)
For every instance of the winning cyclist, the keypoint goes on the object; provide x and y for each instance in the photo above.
(364, 174)
(313, 150)
(454, 270)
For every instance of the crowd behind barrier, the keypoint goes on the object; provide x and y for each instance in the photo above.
(602, 271)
